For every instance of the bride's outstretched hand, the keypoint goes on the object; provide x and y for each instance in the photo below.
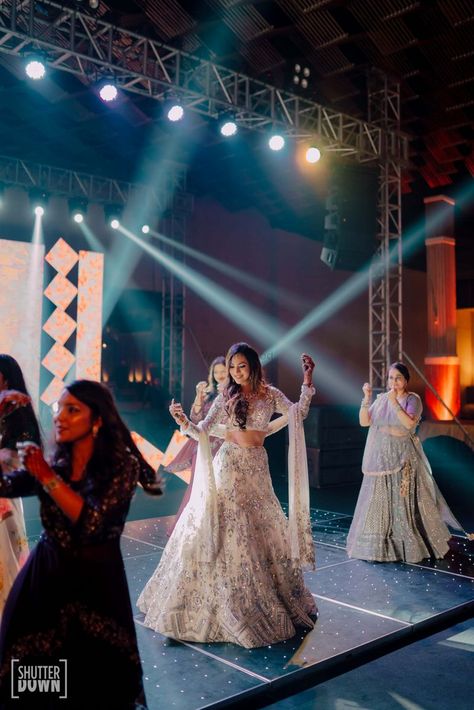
(307, 363)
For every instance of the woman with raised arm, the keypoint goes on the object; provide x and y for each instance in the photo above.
(400, 513)
(70, 600)
(206, 392)
(16, 424)
(232, 569)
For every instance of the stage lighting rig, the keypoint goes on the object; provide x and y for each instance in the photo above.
(35, 66)
(39, 199)
(78, 209)
(276, 142)
(108, 90)
(113, 215)
(228, 127)
(313, 154)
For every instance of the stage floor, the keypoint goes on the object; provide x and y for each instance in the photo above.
(365, 610)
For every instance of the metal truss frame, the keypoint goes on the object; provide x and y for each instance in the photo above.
(385, 286)
(173, 311)
(94, 188)
(85, 45)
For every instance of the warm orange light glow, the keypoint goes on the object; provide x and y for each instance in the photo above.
(150, 453)
(443, 374)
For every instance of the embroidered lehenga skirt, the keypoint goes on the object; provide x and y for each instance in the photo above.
(400, 514)
(248, 590)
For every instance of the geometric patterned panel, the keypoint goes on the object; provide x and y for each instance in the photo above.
(89, 315)
(60, 326)
(59, 360)
(21, 300)
(52, 391)
(150, 453)
(62, 257)
(60, 291)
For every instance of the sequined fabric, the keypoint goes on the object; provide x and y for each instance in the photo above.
(400, 513)
(252, 593)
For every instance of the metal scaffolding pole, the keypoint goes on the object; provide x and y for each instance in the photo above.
(385, 286)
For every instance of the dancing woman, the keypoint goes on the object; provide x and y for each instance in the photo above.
(400, 513)
(206, 392)
(232, 569)
(16, 425)
(70, 599)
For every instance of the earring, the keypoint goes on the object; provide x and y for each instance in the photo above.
(95, 430)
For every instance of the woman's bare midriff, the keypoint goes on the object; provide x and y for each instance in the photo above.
(245, 438)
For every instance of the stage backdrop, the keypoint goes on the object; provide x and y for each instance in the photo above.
(76, 294)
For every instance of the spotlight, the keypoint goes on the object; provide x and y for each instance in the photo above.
(175, 112)
(113, 213)
(276, 142)
(228, 128)
(313, 154)
(108, 91)
(145, 229)
(93, 4)
(78, 209)
(35, 67)
(39, 199)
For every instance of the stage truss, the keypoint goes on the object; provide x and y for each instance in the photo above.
(83, 44)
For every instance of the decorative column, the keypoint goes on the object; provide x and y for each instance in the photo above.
(441, 362)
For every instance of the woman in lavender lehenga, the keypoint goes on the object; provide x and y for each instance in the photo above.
(232, 568)
(400, 513)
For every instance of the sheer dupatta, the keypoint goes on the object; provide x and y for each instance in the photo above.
(199, 521)
(301, 541)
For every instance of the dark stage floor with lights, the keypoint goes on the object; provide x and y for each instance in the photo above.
(366, 609)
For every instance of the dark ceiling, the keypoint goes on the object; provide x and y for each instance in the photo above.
(426, 45)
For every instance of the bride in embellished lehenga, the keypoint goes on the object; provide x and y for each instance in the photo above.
(232, 569)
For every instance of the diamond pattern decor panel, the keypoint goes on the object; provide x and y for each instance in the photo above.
(60, 291)
(62, 257)
(60, 326)
(89, 315)
(52, 391)
(59, 360)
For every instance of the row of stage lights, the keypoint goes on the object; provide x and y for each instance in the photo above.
(35, 69)
(77, 208)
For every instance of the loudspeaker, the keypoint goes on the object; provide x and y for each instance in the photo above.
(351, 218)
(334, 444)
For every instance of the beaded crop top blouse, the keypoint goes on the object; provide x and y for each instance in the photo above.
(260, 411)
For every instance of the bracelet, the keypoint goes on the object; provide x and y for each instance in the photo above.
(364, 404)
(51, 484)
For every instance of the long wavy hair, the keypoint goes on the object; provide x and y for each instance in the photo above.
(21, 419)
(236, 404)
(113, 440)
(211, 389)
